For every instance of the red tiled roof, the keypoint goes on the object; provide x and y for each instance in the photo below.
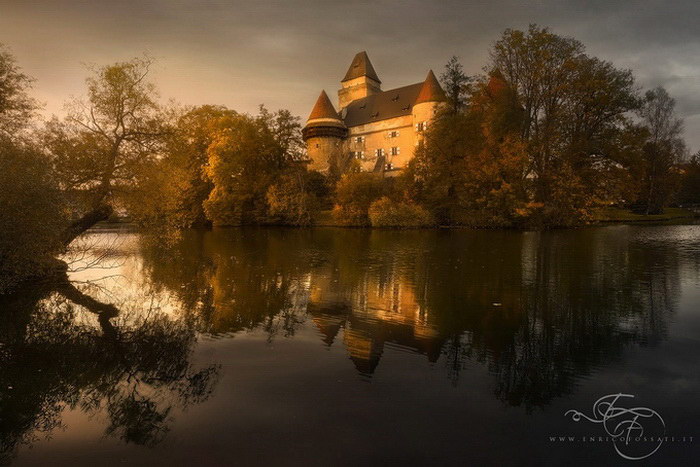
(431, 90)
(323, 108)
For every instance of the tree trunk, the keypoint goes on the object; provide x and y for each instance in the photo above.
(100, 213)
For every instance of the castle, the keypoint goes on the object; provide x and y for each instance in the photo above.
(378, 129)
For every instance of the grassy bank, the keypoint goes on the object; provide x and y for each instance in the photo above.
(612, 214)
(601, 215)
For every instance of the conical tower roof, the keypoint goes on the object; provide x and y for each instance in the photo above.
(431, 90)
(324, 120)
(361, 66)
(323, 108)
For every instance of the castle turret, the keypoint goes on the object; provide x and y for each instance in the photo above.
(324, 133)
(360, 81)
(430, 97)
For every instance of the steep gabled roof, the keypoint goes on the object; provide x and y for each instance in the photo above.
(431, 90)
(361, 66)
(323, 108)
(387, 104)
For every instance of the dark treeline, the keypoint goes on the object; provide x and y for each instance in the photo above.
(545, 136)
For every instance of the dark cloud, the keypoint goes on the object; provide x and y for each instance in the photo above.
(282, 53)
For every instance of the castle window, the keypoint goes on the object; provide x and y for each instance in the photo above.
(389, 166)
(317, 145)
(379, 152)
(359, 139)
(393, 134)
(421, 126)
(358, 154)
(395, 151)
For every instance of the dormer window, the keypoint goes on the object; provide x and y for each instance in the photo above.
(374, 115)
(395, 98)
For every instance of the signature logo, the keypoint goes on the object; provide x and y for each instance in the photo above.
(636, 432)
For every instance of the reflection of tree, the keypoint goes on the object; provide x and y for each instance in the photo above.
(52, 356)
(237, 282)
(539, 310)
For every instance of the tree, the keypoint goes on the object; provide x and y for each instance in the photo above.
(291, 200)
(574, 107)
(247, 156)
(170, 191)
(471, 170)
(456, 84)
(16, 106)
(355, 192)
(104, 141)
(31, 203)
(661, 152)
(689, 192)
(31, 214)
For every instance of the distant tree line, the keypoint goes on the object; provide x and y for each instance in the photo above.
(546, 135)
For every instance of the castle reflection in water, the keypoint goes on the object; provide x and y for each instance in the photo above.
(539, 309)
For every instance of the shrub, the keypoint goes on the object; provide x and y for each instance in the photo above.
(386, 213)
(354, 194)
(289, 201)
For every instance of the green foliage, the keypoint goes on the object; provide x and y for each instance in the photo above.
(387, 213)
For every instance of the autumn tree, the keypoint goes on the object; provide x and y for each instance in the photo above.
(247, 156)
(355, 192)
(471, 169)
(573, 106)
(169, 192)
(104, 141)
(31, 204)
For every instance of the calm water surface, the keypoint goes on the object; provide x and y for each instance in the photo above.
(345, 347)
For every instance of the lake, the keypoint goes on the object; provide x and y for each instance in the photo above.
(271, 346)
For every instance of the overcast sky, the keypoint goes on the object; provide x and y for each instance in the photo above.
(283, 53)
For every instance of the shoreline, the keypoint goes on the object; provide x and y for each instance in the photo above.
(602, 217)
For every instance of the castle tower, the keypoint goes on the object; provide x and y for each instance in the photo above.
(324, 133)
(360, 81)
(429, 99)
